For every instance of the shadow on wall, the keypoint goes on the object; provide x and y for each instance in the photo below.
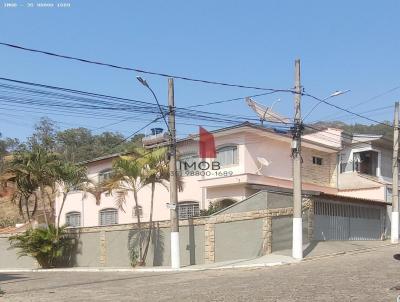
(157, 244)
(191, 247)
(68, 258)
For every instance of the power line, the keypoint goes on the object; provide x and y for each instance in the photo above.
(180, 77)
(139, 70)
(181, 112)
(231, 100)
(346, 110)
(136, 132)
(368, 100)
(341, 116)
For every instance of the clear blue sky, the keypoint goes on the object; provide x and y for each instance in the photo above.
(342, 45)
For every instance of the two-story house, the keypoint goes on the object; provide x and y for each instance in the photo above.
(251, 158)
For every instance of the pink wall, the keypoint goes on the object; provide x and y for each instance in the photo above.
(251, 144)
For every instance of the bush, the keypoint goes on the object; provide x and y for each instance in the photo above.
(49, 248)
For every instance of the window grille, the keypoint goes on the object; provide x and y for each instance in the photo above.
(108, 216)
(188, 209)
(73, 219)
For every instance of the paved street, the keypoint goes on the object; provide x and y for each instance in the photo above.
(366, 276)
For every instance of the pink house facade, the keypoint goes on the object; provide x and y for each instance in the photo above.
(251, 157)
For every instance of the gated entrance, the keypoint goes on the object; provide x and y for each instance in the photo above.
(347, 221)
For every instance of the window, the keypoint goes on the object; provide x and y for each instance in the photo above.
(105, 175)
(317, 160)
(137, 210)
(365, 162)
(188, 209)
(108, 216)
(187, 162)
(227, 156)
(73, 219)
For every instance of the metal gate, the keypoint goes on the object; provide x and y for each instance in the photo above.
(346, 221)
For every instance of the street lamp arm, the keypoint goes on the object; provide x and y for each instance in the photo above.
(336, 93)
(145, 84)
(159, 107)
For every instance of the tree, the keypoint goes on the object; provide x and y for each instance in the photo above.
(51, 247)
(155, 171)
(128, 177)
(76, 144)
(70, 177)
(44, 135)
(36, 173)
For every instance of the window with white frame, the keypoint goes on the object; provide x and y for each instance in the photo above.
(187, 162)
(73, 219)
(105, 175)
(188, 209)
(108, 216)
(228, 155)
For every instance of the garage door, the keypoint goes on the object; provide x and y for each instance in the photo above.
(344, 221)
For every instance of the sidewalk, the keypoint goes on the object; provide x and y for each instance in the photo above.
(318, 249)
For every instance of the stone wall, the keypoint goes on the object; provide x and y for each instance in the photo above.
(202, 240)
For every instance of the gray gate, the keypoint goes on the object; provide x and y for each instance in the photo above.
(346, 221)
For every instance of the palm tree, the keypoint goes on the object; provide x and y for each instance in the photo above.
(128, 177)
(155, 171)
(71, 177)
(36, 173)
(96, 189)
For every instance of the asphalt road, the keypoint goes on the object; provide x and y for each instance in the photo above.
(368, 276)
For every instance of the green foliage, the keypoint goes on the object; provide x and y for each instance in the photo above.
(44, 135)
(49, 246)
(133, 257)
(34, 172)
(216, 207)
(75, 144)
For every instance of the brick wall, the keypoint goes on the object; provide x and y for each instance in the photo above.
(324, 174)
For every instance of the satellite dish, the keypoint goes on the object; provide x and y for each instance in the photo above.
(266, 113)
(263, 163)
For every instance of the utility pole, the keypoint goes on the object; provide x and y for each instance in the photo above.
(395, 186)
(175, 252)
(297, 244)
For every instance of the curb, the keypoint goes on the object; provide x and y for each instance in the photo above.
(141, 270)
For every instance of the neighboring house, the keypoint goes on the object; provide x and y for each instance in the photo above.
(251, 158)
(365, 163)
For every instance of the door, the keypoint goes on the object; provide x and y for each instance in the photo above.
(346, 221)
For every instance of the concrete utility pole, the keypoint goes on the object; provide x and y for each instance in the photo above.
(395, 191)
(297, 245)
(175, 252)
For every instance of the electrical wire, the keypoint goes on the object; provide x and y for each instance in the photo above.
(138, 70)
(346, 110)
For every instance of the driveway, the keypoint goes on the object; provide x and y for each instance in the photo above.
(365, 276)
